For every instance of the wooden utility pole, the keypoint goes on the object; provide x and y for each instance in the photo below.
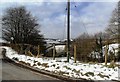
(75, 53)
(68, 31)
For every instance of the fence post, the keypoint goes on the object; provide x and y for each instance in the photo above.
(75, 53)
(106, 54)
(38, 51)
(25, 52)
(53, 51)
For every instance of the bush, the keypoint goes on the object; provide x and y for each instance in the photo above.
(15, 58)
(89, 73)
(102, 76)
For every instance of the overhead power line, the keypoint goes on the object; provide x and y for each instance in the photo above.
(82, 21)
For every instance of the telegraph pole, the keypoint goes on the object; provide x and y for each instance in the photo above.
(68, 30)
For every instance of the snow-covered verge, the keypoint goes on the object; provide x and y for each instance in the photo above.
(71, 69)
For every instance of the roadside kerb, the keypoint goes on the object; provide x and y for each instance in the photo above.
(68, 79)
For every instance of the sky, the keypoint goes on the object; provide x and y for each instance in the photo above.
(89, 16)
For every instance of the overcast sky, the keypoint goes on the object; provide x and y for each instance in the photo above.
(91, 17)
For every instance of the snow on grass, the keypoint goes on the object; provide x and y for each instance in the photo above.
(112, 47)
(71, 69)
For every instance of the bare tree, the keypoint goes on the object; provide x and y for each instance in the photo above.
(112, 29)
(85, 45)
(19, 26)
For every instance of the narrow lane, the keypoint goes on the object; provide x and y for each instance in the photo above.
(12, 72)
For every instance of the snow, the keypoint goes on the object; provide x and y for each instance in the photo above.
(111, 48)
(52, 41)
(71, 69)
(59, 48)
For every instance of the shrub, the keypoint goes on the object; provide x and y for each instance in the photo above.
(89, 73)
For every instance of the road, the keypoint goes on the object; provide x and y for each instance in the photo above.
(13, 72)
(9, 71)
